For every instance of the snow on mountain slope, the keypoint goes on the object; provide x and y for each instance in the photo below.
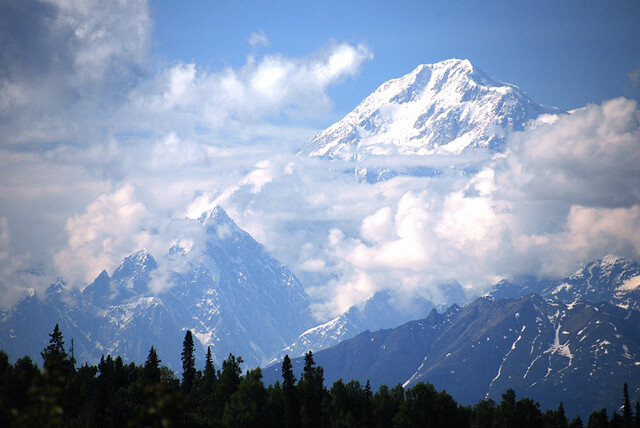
(579, 354)
(381, 310)
(611, 279)
(447, 107)
(233, 295)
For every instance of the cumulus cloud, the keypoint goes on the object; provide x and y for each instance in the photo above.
(563, 194)
(65, 58)
(187, 96)
(111, 225)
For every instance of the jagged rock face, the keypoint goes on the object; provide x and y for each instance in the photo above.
(611, 279)
(447, 107)
(580, 354)
(245, 301)
(233, 295)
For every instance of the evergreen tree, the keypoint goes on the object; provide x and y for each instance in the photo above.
(208, 381)
(482, 413)
(527, 414)
(627, 416)
(554, 418)
(188, 363)
(291, 409)
(204, 399)
(311, 392)
(598, 419)
(343, 407)
(275, 407)
(386, 404)
(209, 370)
(55, 356)
(6, 372)
(576, 423)
(246, 407)
(152, 367)
(367, 411)
(637, 418)
(504, 414)
(228, 381)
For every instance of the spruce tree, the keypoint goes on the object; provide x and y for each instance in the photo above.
(576, 423)
(188, 363)
(626, 407)
(311, 392)
(291, 412)
(55, 356)
(152, 367)
(209, 370)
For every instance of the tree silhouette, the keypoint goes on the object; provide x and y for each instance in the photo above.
(188, 363)
(291, 409)
(152, 366)
(55, 356)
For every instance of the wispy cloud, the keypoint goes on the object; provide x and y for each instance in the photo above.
(258, 39)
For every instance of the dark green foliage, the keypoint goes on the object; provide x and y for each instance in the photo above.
(505, 413)
(576, 423)
(188, 363)
(627, 417)
(246, 407)
(386, 404)
(152, 367)
(423, 406)
(114, 394)
(291, 408)
(483, 414)
(56, 359)
(598, 419)
(311, 392)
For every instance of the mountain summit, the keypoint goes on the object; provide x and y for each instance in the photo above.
(446, 107)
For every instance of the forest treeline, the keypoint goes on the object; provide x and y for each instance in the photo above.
(115, 394)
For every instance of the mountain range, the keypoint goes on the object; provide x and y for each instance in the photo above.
(611, 279)
(232, 294)
(574, 340)
(579, 354)
(382, 310)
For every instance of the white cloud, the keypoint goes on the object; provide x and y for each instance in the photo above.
(110, 226)
(258, 39)
(185, 96)
(67, 59)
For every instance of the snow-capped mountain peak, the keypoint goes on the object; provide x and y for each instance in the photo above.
(218, 224)
(446, 107)
(216, 215)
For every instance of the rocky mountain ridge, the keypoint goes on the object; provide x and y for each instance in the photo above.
(232, 294)
(448, 107)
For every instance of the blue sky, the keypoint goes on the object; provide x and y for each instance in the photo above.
(565, 54)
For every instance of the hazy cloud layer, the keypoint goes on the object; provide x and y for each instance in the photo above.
(104, 150)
